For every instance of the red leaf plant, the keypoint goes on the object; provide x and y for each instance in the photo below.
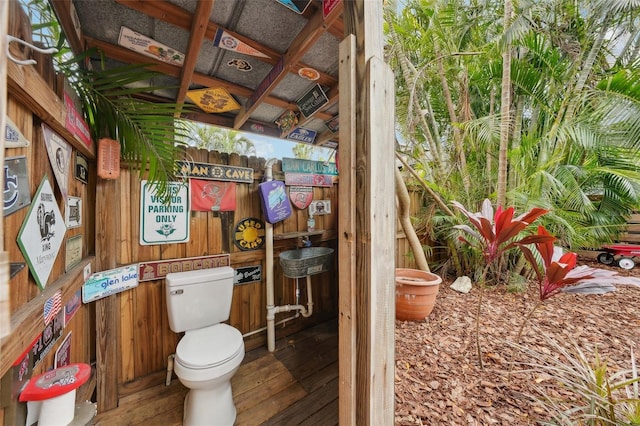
(494, 234)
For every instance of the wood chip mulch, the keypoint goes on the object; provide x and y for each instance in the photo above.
(438, 380)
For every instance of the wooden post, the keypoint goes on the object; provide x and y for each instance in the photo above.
(347, 233)
(375, 218)
(107, 312)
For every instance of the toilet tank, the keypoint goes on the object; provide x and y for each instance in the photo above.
(197, 299)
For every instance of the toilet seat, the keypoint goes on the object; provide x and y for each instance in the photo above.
(209, 347)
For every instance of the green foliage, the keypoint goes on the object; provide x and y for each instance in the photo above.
(575, 129)
(214, 138)
(599, 396)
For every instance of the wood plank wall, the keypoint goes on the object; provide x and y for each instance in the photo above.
(142, 334)
(28, 95)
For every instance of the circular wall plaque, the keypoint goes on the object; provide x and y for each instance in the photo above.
(249, 234)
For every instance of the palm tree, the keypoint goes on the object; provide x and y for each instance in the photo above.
(214, 138)
(566, 121)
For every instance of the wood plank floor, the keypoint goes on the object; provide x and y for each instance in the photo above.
(295, 385)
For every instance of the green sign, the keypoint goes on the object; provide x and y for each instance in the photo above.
(297, 165)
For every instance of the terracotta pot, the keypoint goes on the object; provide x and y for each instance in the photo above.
(416, 293)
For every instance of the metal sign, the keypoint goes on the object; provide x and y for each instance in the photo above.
(247, 274)
(75, 123)
(149, 271)
(59, 156)
(40, 250)
(298, 6)
(286, 122)
(73, 252)
(308, 179)
(240, 64)
(298, 165)
(160, 222)
(63, 353)
(249, 234)
(333, 124)
(48, 338)
(312, 101)
(72, 306)
(106, 283)
(309, 73)
(16, 184)
(302, 135)
(13, 136)
(215, 172)
(329, 6)
(82, 168)
(73, 212)
(320, 207)
(301, 196)
(215, 99)
(149, 47)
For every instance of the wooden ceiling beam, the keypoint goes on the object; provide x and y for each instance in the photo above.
(67, 16)
(311, 32)
(196, 37)
(181, 18)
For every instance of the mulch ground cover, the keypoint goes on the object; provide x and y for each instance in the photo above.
(438, 380)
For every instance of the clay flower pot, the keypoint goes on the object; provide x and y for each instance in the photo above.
(416, 293)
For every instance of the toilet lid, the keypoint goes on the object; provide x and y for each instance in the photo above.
(210, 346)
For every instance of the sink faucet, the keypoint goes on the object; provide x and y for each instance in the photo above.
(306, 242)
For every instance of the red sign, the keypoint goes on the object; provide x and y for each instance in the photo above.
(211, 195)
(308, 179)
(329, 6)
(301, 196)
(75, 123)
(148, 271)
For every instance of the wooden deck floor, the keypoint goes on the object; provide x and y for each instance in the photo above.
(295, 385)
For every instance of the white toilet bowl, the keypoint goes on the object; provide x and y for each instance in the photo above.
(205, 361)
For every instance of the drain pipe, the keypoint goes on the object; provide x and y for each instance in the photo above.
(268, 233)
(305, 311)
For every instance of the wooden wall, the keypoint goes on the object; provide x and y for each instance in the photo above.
(33, 101)
(141, 331)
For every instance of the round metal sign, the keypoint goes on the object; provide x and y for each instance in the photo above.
(248, 234)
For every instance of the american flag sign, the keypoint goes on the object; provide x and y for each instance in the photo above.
(52, 306)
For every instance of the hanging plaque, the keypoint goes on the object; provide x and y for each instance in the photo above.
(41, 248)
(82, 168)
(312, 101)
(13, 136)
(214, 172)
(73, 212)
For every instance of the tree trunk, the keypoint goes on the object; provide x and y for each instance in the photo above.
(404, 202)
(505, 111)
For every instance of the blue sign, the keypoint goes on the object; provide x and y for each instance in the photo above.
(303, 135)
(106, 283)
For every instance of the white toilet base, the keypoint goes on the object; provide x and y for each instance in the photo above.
(210, 407)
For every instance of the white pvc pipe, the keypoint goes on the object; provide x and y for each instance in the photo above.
(271, 327)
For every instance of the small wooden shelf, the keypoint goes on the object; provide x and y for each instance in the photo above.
(292, 235)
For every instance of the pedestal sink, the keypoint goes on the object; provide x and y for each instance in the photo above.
(306, 261)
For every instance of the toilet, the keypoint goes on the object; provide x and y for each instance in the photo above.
(210, 352)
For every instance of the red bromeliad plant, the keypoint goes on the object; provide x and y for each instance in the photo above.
(493, 235)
